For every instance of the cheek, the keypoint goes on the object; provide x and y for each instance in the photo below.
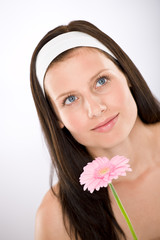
(122, 96)
(73, 121)
(70, 119)
(129, 103)
(128, 109)
(116, 99)
(123, 102)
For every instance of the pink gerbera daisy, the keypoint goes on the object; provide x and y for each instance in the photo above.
(100, 172)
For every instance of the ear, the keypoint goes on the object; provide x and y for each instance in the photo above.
(61, 124)
(129, 84)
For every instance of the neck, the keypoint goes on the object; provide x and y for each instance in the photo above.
(136, 147)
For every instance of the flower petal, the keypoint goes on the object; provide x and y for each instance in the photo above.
(100, 172)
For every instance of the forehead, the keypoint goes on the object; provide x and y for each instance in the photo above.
(75, 52)
(80, 64)
(77, 56)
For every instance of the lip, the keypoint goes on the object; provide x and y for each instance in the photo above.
(107, 124)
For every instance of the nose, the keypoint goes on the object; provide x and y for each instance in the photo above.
(95, 107)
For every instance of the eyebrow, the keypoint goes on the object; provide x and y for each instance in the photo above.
(90, 80)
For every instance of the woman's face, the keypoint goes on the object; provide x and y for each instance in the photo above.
(91, 98)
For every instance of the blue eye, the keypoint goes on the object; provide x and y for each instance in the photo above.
(70, 99)
(101, 81)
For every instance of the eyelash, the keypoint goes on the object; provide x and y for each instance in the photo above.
(69, 95)
(103, 77)
(100, 77)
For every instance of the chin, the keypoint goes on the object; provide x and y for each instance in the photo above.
(113, 140)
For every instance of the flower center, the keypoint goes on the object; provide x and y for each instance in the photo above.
(103, 171)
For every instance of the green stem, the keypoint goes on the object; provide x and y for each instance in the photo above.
(123, 211)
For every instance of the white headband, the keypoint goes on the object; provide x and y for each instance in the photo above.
(60, 44)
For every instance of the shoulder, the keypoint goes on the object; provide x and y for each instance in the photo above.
(49, 219)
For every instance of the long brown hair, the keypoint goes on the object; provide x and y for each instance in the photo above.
(90, 215)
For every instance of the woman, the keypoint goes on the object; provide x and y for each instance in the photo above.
(92, 101)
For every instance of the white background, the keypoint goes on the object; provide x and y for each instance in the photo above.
(24, 160)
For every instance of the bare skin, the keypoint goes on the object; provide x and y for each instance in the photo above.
(139, 191)
(49, 221)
